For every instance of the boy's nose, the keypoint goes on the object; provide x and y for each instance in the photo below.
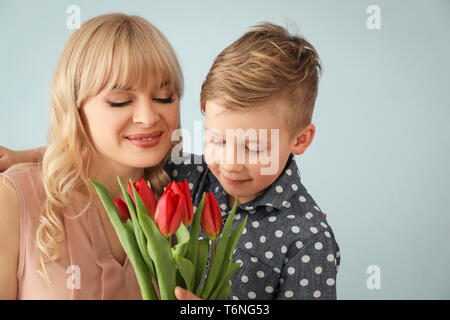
(231, 162)
(144, 114)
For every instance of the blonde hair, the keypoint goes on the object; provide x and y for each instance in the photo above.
(266, 64)
(112, 50)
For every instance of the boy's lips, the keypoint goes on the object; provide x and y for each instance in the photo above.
(235, 181)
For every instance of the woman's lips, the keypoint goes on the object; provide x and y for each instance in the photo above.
(235, 182)
(145, 140)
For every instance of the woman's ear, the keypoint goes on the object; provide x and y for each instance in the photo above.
(303, 139)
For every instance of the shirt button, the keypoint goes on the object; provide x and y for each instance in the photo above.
(224, 219)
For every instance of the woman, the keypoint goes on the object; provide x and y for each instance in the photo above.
(115, 103)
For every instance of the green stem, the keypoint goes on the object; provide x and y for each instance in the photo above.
(213, 248)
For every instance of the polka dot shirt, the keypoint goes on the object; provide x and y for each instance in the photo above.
(287, 249)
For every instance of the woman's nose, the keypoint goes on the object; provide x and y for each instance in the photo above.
(145, 114)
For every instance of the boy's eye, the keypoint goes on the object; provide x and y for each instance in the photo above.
(119, 104)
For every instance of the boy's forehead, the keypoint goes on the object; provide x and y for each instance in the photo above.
(267, 116)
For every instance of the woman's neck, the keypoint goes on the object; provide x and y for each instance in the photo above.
(107, 171)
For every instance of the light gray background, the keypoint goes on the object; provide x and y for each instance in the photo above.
(379, 163)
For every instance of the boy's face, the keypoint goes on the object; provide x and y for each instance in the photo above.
(246, 150)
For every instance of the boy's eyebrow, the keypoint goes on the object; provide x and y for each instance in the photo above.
(246, 138)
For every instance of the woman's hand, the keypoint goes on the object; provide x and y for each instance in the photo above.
(183, 294)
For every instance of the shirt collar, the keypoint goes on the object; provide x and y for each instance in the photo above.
(276, 195)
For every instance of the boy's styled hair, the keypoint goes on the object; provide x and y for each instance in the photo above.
(265, 65)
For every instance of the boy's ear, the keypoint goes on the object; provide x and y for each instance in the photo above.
(303, 139)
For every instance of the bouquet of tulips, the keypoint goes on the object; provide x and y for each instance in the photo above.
(145, 228)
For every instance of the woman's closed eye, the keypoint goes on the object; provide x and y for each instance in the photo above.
(119, 104)
(164, 100)
(126, 103)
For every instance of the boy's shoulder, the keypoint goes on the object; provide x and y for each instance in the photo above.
(288, 201)
(180, 167)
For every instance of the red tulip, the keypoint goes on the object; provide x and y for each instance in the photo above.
(211, 217)
(170, 211)
(122, 208)
(146, 194)
(183, 188)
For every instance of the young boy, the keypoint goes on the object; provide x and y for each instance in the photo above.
(261, 90)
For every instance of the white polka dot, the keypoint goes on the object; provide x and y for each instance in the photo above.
(302, 199)
(200, 168)
(291, 270)
(294, 187)
(244, 279)
(235, 298)
(277, 270)
(272, 219)
(240, 262)
(268, 289)
(338, 254)
(278, 233)
(299, 244)
(295, 229)
(304, 282)
(313, 230)
(254, 259)
(288, 172)
(223, 206)
(260, 274)
(174, 172)
(316, 294)
(244, 231)
(191, 186)
(286, 204)
(308, 215)
(305, 258)
(269, 209)
(237, 216)
(327, 234)
(323, 224)
(330, 257)
(318, 270)
(330, 281)
(318, 245)
(269, 254)
(279, 189)
(252, 295)
(255, 224)
(289, 294)
(262, 239)
(283, 249)
(291, 216)
(317, 208)
(249, 245)
(253, 211)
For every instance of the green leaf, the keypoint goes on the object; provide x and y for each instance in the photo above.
(140, 238)
(195, 229)
(223, 290)
(187, 270)
(128, 242)
(217, 263)
(202, 259)
(183, 237)
(159, 250)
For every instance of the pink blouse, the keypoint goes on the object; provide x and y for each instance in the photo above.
(86, 268)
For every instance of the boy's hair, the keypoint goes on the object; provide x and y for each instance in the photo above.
(265, 65)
